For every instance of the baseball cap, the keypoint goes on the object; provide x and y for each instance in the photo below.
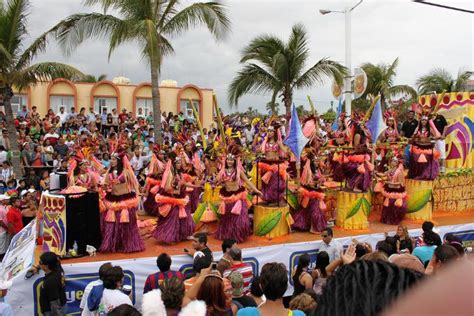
(237, 282)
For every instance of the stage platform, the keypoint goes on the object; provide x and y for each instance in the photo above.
(153, 248)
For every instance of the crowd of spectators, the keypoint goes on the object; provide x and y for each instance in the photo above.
(356, 281)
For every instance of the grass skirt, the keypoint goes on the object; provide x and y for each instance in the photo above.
(120, 236)
(391, 213)
(233, 226)
(171, 228)
(424, 164)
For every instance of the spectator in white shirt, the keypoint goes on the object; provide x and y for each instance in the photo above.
(102, 272)
(138, 160)
(3, 154)
(330, 245)
(6, 172)
(62, 115)
(113, 295)
(91, 116)
(4, 141)
(72, 115)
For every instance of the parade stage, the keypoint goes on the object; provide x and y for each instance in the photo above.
(153, 248)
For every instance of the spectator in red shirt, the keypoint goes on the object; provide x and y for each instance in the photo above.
(154, 280)
(123, 116)
(238, 265)
(14, 219)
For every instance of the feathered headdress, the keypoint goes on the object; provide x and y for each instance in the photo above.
(391, 115)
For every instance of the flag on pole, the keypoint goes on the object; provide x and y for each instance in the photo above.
(338, 113)
(295, 139)
(376, 124)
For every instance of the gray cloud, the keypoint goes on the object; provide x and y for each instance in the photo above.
(422, 37)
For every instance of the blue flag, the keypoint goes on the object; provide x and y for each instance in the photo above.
(295, 139)
(338, 113)
(376, 124)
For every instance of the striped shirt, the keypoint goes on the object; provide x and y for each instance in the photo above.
(247, 273)
(154, 280)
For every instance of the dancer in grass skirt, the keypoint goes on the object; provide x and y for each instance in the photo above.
(424, 157)
(234, 220)
(175, 222)
(393, 191)
(358, 168)
(272, 169)
(310, 215)
(120, 232)
(153, 181)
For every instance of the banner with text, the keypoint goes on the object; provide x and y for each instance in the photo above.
(24, 294)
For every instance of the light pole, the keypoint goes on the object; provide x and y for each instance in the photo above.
(347, 78)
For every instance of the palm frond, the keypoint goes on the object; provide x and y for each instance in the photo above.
(263, 49)
(251, 79)
(322, 70)
(462, 78)
(13, 27)
(211, 14)
(297, 50)
(436, 80)
(78, 28)
(6, 58)
(46, 71)
(399, 90)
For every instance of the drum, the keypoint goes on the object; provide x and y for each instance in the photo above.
(419, 199)
(353, 209)
(271, 221)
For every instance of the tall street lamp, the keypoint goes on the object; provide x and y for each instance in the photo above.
(347, 79)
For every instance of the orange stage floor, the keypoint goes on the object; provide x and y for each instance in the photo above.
(153, 248)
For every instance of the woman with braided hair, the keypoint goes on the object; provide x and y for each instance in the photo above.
(364, 288)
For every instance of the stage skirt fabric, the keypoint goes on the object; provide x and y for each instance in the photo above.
(175, 222)
(394, 205)
(337, 166)
(234, 222)
(310, 216)
(357, 170)
(273, 180)
(424, 164)
(150, 206)
(120, 231)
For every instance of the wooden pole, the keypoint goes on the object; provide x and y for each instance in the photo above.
(199, 124)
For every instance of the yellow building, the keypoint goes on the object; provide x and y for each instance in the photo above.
(119, 94)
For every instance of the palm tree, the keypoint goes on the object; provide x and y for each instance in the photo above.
(272, 107)
(148, 23)
(380, 81)
(16, 68)
(440, 80)
(270, 65)
(92, 78)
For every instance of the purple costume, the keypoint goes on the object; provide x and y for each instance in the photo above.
(120, 232)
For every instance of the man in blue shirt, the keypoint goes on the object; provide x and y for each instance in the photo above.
(23, 113)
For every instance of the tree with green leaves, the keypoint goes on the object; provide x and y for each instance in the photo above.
(92, 78)
(17, 69)
(380, 80)
(272, 107)
(147, 23)
(276, 67)
(439, 80)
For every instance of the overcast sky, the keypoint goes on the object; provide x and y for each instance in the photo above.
(423, 37)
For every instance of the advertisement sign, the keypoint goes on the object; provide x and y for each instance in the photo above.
(20, 253)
